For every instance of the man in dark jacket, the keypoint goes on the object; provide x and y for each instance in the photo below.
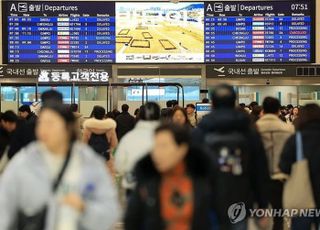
(8, 124)
(235, 180)
(125, 122)
(26, 114)
(25, 132)
(166, 113)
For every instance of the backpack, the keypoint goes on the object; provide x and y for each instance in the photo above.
(100, 144)
(229, 152)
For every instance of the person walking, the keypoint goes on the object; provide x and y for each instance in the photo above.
(57, 182)
(136, 144)
(274, 133)
(125, 122)
(173, 185)
(240, 166)
(308, 125)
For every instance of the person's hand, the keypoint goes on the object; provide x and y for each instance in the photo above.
(75, 201)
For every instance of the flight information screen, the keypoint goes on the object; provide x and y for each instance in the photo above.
(259, 31)
(269, 31)
(59, 32)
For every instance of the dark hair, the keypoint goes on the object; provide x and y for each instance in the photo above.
(205, 100)
(308, 114)
(9, 116)
(51, 96)
(169, 104)
(136, 112)
(25, 108)
(242, 105)
(178, 108)
(110, 115)
(175, 103)
(74, 108)
(253, 104)
(256, 110)
(289, 106)
(98, 112)
(150, 112)
(125, 108)
(223, 96)
(115, 113)
(190, 106)
(271, 105)
(64, 112)
(180, 134)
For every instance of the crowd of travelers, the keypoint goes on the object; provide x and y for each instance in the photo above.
(59, 169)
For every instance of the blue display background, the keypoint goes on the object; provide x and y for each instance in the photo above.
(34, 32)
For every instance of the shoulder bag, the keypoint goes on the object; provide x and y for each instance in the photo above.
(38, 221)
(298, 192)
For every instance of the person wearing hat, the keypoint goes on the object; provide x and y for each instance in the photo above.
(240, 166)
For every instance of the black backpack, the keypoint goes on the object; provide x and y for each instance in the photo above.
(100, 144)
(230, 154)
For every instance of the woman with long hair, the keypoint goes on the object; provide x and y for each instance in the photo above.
(57, 182)
(180, 117)
(308, 128)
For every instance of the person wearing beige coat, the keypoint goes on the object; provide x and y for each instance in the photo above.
(274, 133)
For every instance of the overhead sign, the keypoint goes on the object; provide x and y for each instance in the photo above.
(254, 71)
(96, 32)
(203, 109)
(59, 73)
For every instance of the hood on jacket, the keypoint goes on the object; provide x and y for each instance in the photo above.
(225, 119)
(99, 126)
(198, 165)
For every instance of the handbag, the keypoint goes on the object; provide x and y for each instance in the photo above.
(298, 192)
(38, 220)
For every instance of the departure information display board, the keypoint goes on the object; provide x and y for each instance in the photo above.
(60, 32)
(269, 31)
(258, 31)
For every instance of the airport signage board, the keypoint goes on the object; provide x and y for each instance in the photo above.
(203, 109)
(95, 32)
(262, 71)
(59, 73)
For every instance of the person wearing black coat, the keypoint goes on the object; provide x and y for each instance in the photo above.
(125, 122)
(309, 125)
(4, 140)
(25, 132)
(148, 207)
(251, 186)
